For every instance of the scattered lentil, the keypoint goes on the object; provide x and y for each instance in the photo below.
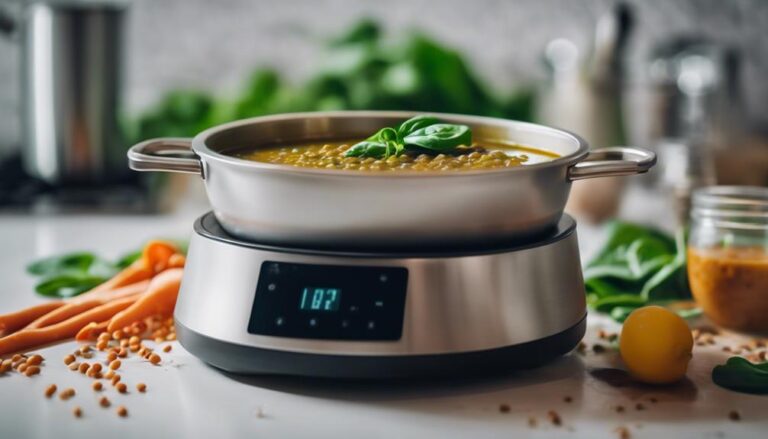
(122, 411)
(504, 408)
(67, 393)
(167, 348)
(32, 370)
(121, 387)
(115, 364)
(141, 387)
(69, 359)
(78, 412)
(154, 359)
(554, 418)
(50, 390)
(623, 433)
(104, 402)
(35, 360)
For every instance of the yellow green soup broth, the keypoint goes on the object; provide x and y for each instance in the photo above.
(330, 155)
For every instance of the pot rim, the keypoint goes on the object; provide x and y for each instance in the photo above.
(200, 147)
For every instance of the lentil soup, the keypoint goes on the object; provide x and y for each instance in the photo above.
(330, 155)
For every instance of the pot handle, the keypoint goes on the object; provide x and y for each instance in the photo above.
(613, 161)
(169, 154)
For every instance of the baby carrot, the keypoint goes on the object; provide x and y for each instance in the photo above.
(11, 322)
(27, 338)
(160, 298)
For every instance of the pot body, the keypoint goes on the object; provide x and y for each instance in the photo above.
(289, 205)
(71, 83)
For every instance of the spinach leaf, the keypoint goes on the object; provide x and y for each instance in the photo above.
(740, 375)
(73, 261)
(637, 266)
(68, 284)
(440, 137)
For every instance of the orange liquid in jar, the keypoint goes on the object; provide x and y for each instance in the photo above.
(731, 286)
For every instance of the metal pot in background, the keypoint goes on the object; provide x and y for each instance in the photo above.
(71, 74)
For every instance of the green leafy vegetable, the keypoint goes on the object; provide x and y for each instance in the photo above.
(638, 266)
(415, 123)
(361, 70)
(419, 132)
(740, 375)
(440, 137)
(367, 149)
(74, 273)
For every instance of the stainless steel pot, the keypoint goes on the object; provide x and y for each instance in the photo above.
(282, 204)
(71, 71)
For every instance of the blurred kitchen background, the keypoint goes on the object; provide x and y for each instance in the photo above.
(685, 77)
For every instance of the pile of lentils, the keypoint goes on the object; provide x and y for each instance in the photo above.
(330, 156)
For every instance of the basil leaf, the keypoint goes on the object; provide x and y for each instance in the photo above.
(384, 135)
(414, 124)
(440, 137)
(740, 375)
(367, 148)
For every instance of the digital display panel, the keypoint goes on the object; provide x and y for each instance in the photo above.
(331, 302)
(320, 299)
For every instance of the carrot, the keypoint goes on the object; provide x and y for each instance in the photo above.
(177, 261)
(91, 331)
(11, 322)
(81, 304)
(136, 272)
(28, 338)
(160, 298)
(157, 254)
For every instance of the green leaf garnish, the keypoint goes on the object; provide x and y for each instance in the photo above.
(418, 133)
(440, 137)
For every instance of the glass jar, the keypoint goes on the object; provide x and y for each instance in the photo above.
(728, 255)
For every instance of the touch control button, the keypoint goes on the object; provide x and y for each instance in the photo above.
(313, 322)
(279, 321)
(379, 304)
(371, 324)
(345, 323)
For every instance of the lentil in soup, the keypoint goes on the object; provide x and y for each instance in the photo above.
(330, 155)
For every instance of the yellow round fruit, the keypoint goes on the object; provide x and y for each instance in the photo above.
(655, 345)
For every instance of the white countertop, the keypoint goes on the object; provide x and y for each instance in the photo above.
(188, 399)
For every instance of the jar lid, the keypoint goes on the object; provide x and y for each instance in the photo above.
(741, 207)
